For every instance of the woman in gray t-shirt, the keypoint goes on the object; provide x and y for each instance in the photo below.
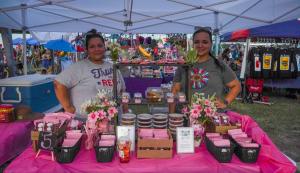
(81, 81)
(209, 75)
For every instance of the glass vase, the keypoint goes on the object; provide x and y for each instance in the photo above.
(103, 126)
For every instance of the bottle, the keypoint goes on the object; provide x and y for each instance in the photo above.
(124, 149)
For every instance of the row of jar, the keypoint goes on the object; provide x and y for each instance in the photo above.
(160, 121)
(153, 94)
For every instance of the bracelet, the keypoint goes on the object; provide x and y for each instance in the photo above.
(226, 102)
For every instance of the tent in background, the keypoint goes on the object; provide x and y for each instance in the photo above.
(287, 29)
(30, 41)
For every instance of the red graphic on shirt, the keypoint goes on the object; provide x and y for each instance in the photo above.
(107, 82)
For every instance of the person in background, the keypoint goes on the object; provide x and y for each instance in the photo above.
(209, 75)
(81, 81)
(225, 56)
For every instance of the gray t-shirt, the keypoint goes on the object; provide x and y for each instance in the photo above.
(207, 78)
(84, 78)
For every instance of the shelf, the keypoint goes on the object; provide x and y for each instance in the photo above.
(151, 64)
(146, 102)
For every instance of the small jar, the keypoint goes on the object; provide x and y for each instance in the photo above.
(49, 127)
(138, 98)
(225, 120)
(181, 97)
(40, 127)
(6, 113)
(124, 149)
(125, 97)
(170, 97)
(217, 121)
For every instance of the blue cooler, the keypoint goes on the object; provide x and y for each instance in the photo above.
(35, 91)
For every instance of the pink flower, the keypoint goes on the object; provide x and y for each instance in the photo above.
(93, 116)
(112, 112)
(184, 110)
(102, 114)
(208, 111)
(106, 103)
(207, 102)
(195, 113)
(196, 106)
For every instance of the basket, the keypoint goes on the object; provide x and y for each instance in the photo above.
(222, 154)
(247, 155)
(67, 154)
(104, 153)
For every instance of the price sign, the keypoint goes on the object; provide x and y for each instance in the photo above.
(48, 140)
(185, 139)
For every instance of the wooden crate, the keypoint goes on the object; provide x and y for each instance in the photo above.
(155, 148)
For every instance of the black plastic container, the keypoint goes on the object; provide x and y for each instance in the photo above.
(247, 154)
(104, 153)
(222, 154)
(67, 154)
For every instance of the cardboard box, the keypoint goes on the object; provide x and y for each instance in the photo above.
(155, 148)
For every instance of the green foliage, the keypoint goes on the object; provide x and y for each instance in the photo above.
(191, 56)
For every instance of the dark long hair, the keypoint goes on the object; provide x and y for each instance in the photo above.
(206, 30)
(92, 34)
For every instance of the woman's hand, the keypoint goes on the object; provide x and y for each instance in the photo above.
(220, 104)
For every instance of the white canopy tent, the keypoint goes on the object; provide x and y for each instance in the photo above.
(142, 16)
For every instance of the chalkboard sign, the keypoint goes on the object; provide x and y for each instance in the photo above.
(49, 140)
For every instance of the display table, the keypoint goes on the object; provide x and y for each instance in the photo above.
(270, 160)
(14, 138)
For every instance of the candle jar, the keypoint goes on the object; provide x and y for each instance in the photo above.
(124, 150)
(170, 97)
(125, 97)
(6, 113)
(137, 98)
(181, 97)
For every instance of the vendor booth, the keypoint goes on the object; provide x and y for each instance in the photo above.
(111, 140)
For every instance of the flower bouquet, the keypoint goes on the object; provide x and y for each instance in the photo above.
(200, 112)
(100, 111)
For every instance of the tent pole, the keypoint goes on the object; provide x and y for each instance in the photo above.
(216, 33)
(244, 65)
(24, 10)
(8, 47)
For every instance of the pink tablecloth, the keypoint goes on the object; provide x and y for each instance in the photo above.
(201, 161)
(14, 138)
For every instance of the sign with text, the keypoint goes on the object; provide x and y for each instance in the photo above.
(185, 139)
(129, 132)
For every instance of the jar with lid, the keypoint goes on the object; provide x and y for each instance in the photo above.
(124, 145)
(137, 98)
(170, 97)
(125, 97)
(181, 97)
(6, 113)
